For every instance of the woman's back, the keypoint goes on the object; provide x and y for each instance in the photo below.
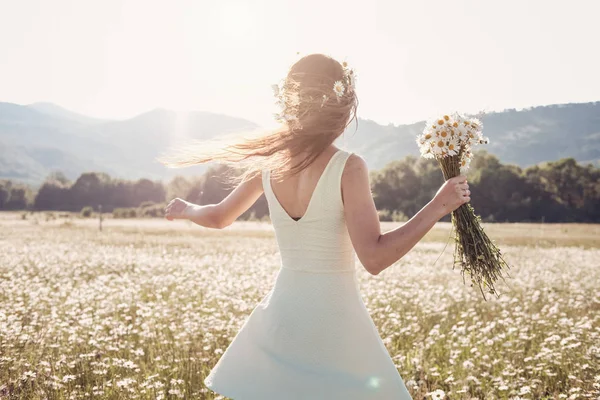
(294, 192)
(319, 240)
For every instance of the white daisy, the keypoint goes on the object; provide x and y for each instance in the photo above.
(465, 162)
(338, 88)
(438, 148)
(471, 136)
(439, 394)
(448, 121)
(411, 383)
(453, 147)
(424, 143)
(427, 150)
(475, 124)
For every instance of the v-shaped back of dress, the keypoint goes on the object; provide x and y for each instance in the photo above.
(318, 241)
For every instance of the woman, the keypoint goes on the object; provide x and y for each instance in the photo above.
(311, 336)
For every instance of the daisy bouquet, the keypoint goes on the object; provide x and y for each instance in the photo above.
(450, 140)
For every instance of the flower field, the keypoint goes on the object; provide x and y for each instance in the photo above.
(144, 308)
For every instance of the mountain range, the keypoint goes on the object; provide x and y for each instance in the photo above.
(40, 138)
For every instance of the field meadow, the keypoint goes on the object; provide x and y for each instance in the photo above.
(144, 308)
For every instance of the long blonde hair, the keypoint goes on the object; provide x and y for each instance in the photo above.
(320, 117)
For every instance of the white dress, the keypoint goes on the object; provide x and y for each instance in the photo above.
(310, 337)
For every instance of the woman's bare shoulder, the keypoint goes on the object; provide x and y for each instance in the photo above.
(355, 177)
(355, 166)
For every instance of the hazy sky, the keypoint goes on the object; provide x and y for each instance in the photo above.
(117, 58)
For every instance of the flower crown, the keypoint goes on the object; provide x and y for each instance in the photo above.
(349, 81)
(289, 100)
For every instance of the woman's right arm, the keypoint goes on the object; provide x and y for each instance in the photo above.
(377, 251)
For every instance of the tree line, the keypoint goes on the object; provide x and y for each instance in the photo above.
(558, 191)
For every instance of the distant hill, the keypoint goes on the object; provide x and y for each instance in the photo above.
(526, 137)
(43, 137)
(35, 142)
(57, 111)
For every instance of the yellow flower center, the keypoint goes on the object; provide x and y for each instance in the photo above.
(451, 146)
(455, 124)
(441, 122)
(440, 143)
(444, 133)
(428, 136)
(446, 117)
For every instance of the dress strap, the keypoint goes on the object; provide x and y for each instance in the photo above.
(266, 184)
(332, 186)
(340, 163)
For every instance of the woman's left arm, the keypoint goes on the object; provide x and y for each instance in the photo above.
(219, 215)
